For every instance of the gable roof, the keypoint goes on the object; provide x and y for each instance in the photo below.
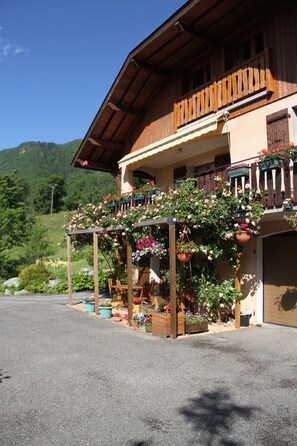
(196, 26)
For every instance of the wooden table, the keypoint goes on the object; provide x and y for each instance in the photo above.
(125, 288)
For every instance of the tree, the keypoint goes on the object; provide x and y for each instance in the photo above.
(15, 222)
(50, 195)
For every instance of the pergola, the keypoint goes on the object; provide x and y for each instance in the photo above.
(169, 223)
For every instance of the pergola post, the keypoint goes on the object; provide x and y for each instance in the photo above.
(69, 269)
(172, 272)
(96, 282)
(129, 280)
(238, 288)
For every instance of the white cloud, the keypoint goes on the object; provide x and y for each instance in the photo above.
(7, 48)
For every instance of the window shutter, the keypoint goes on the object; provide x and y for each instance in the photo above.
(277, 128)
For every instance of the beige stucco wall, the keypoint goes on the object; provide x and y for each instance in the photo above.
(248, 134)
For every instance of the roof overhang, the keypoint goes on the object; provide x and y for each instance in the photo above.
(195, 28)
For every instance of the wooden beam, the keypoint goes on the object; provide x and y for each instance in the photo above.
(129, 281)
(194, 32)
(93, 165)
(238, 288)
(69, 270)
(106, 144)
(172, 272)
(124, 109)
(96, 278)
(146, 66)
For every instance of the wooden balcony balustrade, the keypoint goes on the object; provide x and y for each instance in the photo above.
(276, 185)
(247, 79)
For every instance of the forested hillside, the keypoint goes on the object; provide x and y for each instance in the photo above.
(37, 161)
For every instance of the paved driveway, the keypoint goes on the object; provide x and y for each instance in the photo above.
(69, 379)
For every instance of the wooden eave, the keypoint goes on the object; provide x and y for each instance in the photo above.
(205, 23)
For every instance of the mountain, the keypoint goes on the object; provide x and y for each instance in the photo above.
(35, 161)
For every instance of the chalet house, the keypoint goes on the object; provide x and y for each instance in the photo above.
(212, 86)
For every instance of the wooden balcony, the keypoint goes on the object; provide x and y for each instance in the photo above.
(276, 186)
(246, 80)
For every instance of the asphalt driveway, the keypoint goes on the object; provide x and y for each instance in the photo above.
(69, 379)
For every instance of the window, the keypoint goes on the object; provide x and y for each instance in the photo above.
(194, 77)
(237, 54)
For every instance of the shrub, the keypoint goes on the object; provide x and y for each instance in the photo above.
(34, 277)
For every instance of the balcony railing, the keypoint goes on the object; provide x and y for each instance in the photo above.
(250, 78)
(277, 186)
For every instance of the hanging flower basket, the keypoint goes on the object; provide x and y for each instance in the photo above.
(184, 256)
(242, 237)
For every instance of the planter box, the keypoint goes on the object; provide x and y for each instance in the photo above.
(239, 172)
(270, 164)
(161, 324)
(198, 327)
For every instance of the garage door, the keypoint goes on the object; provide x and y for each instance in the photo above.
(280, 279)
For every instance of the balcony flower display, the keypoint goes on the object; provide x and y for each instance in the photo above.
(271, 159)
(148, 246)
(291, 150)
(238, 170)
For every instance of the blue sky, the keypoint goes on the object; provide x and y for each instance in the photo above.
(59, 58)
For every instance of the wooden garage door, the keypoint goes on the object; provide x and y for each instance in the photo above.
(280, 279)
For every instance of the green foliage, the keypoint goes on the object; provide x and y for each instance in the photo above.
(15, 222)
(37, 244)
(35, 161)
(34, 277)
(50, 195)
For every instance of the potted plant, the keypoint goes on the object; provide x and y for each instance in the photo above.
(116, 317)
(243, 235)
(89, 304)
(238, 170)
(195, 323)
(105, 309)
(148, 246)
(185, 248)
(271, 159)
(148, 324)
(112, 201)
(135, 321)
(161, 321)
(138, 196)
(136, 305)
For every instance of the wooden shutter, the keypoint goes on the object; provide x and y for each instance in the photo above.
(277, 128)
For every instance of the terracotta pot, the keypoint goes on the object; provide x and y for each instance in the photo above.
(184, 256)
(134, 322)
(242, 237)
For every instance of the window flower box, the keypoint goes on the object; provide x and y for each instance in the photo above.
(270, 164)
(238, 170)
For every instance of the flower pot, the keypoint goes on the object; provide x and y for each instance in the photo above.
(136, 308)
(148, 328)
(239, 172)
(89, 307)
(134, 323)
(105, 312)
(184, 256)
(270, 164)
(242, 237)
